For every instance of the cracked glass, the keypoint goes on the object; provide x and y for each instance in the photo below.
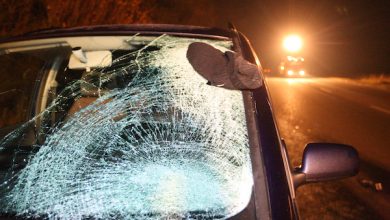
(144, 138)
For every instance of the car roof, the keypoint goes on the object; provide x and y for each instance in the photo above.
(104, 30)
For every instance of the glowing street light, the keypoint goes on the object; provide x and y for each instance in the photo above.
(292, 43)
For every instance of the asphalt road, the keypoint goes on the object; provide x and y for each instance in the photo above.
(340, 111)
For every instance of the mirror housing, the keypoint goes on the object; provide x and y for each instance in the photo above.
(326, 161)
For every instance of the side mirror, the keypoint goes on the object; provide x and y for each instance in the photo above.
(324, 161)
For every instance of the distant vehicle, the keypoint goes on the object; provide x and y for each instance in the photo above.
(113, 122)
(266, 71)
(293, 67)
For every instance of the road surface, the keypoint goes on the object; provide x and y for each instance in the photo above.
(341, 111)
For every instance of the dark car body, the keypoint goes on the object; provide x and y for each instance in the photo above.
(273, 192)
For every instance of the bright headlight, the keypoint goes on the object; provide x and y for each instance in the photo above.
(292, 43)
(302, 72)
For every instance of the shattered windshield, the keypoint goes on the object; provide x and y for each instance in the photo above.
(142, 138)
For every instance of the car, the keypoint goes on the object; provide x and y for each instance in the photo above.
(293, 66)
(113, 122)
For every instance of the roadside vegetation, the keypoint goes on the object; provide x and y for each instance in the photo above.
(375, 79)
(380, 81)
(18, 17)
(31, 15)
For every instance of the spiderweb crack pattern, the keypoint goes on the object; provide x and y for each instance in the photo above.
(164, 145)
